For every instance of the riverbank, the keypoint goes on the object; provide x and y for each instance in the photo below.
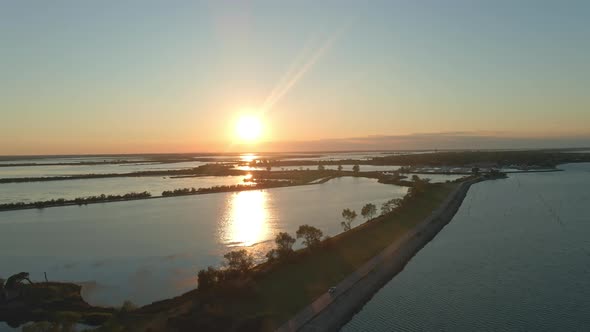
(331, 311)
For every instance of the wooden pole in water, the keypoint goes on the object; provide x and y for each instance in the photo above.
(45, 273)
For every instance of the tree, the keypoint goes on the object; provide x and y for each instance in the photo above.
(16, 280)
(272, 255)
(369, 211)
(321, 167)
(284, 243)
(356, 168)
(208, 278)
(391, 205)
(415, 178)
(418, 186)
(239, 261)
(268, 168)
(475, 170)
(340, 168)
(349, 215)
(311, 235)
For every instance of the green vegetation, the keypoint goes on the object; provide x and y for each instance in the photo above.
(76, 201)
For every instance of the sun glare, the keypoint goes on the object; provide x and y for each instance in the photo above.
(248, 128)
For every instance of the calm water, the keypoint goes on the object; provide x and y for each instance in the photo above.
(149, 250)
(515, 257)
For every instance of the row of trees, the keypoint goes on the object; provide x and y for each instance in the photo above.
(356, 168)
(238, 264)
(78, 201)
(260, 184)
(369, 211)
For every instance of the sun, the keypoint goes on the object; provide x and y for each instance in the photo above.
(249, 128)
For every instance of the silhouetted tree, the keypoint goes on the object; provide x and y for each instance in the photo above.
(321, 167)
(391, 205)
(369, 211)
(284, 243)
(239, 261)
(208, 278)
(349, 216)
(311, 235)
(356, 168)
(16, 280)
(340, 168)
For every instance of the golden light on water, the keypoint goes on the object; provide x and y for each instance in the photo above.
(248, 157)
(247, 221)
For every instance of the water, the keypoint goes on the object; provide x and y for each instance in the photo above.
(515, 257)
(69, 189)
(152, 249)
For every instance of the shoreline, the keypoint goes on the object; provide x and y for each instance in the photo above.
(329, 312)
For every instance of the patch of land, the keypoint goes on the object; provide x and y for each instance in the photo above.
(332, 310)
(49, 301)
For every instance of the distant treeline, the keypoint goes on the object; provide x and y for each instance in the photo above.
(542, 158)
(496, 158)
(75, 201)
(218, 189)
(209, 169)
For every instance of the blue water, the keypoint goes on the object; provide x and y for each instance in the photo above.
(516, 257)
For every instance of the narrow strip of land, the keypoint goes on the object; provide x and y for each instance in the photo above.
(331, 311)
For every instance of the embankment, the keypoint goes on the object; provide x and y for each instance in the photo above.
(331, 311)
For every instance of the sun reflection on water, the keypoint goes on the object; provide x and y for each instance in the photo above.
(247, 220)
(248, 157)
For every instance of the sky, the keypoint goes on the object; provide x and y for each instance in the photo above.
(174, 76)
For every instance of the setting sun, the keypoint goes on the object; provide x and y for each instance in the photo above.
(248, 128)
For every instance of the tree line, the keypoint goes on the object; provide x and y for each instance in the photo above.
(75, 201)
(260, 184)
